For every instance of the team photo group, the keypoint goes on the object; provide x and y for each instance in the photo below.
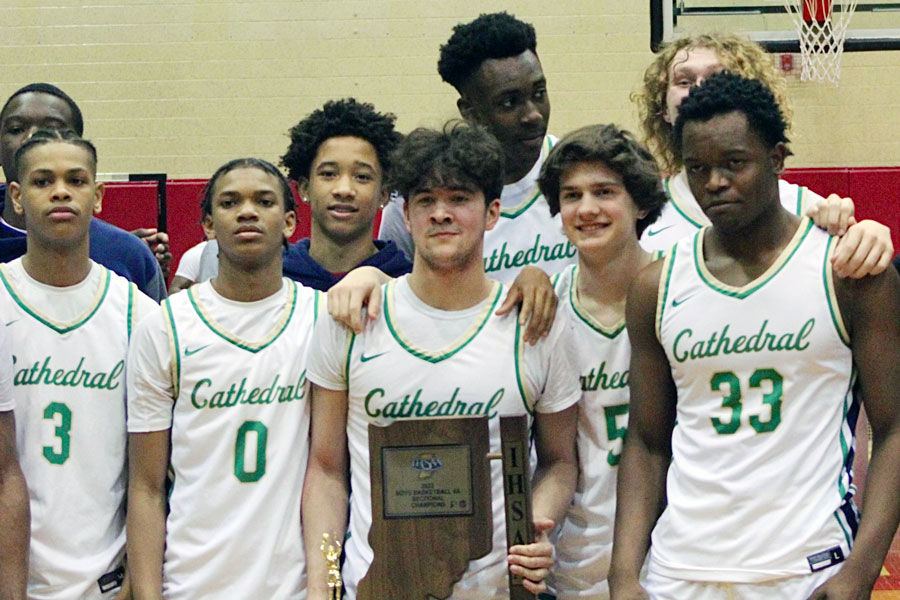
(705, 354)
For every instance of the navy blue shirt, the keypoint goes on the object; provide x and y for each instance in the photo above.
(114, 248)
(300, 266)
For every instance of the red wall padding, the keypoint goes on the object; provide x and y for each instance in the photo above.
(875, 191)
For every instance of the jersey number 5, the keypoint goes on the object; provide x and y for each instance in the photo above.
(732, 399)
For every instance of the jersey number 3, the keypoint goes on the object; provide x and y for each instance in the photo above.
(727, 381)
(62, 431)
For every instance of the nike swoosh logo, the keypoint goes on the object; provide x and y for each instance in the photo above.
(676, 302)
(652, 232)
(11, 322)
(192, 351)
(364, 358)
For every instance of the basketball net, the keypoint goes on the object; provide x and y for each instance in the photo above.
(822, 32)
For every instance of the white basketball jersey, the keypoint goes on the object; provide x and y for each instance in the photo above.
(69, 387)
(681, 215)
(526, 234)
(584, 545)
(239, 436)
(389, 377)
(760, 482)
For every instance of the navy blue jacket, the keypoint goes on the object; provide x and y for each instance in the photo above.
(300, 266)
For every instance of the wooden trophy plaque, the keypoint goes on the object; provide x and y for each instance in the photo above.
(431, 504)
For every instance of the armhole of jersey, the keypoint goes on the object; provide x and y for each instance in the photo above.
(173, 346)
(316, 297)
(833, 307)
(131, 315)
(802, 200)
(555, 279)
(519, 360)
(662, 292)
(350, 341)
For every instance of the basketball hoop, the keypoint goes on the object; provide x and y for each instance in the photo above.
(822, 32)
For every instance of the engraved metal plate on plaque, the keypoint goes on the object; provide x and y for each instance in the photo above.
(427, 481)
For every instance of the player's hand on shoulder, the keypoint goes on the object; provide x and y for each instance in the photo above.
(533, 561)
(833, 214)
(847, 584)
(866, 249)
(159, 245)
(534, 291)
(360, 288)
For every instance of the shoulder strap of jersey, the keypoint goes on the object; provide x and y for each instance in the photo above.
(175, 349)
(663, 289)
(833, 306)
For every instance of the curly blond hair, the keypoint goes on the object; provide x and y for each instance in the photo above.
(738, 54)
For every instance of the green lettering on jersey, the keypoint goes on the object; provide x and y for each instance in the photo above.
(412, 405)
(598, 378)
(500, 259)
(237, 393)
(721, 343)
(43, 373)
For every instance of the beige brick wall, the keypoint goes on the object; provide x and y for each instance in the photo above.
(183, 86)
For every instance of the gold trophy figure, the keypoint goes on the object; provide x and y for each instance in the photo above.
(331, 550)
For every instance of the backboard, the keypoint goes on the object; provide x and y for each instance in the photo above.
(875, 25)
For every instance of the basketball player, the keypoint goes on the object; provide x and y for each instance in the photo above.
(340, 157)
(865, 249)
(15, 519)
(439, 348)
(218, 377)
(44, 106)
(746, 339)
(69, 321)
(492, 63)
(606, 188)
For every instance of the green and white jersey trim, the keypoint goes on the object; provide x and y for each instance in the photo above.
(683, 203)
(663, 290)
(745, 290)
(833, 306)
(251, 346)
(47, 321)
(531, 197)
(581, 312)
(435, 356)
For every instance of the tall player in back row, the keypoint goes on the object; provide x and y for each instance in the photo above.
(865, 249)
(745, 337)
(217, 389)
(69, 322)
(493, 64)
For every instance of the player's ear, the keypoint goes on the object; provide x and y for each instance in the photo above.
(15, 194)
(207, 224)
(303, 188)
(290, 224)
(99, 192)
(406, 215)
(778, 154)
(492, 214)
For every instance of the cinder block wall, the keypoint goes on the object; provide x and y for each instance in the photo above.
(183, 86)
